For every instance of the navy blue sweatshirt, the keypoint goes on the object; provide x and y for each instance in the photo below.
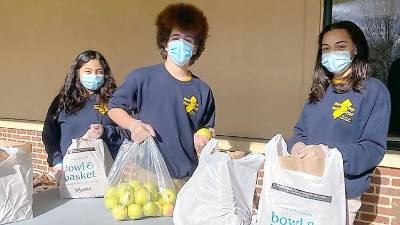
(175, 109)
(354, 123)
(58, 132)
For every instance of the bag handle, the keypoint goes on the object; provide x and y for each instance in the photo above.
(209, 148)
(276, 147)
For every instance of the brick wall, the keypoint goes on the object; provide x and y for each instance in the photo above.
(381, 204)
(39, 156)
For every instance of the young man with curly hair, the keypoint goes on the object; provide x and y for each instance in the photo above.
(170, 103)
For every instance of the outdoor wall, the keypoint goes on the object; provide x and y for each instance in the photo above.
(381, 204)
(258, 59)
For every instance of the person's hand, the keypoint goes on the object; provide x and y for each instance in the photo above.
(311, 151)
(297, 148)
(200, 141)
(95, 132)
(141, 131)
(58, 169)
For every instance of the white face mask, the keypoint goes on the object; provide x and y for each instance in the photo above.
(336, 61)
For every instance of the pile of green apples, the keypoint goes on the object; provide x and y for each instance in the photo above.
(135, 200)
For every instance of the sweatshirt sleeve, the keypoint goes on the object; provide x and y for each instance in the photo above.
(51, 135)
(126, 95)
(209, 115)
(299, 131)
(362, 157)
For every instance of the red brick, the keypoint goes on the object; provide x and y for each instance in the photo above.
(19, 131)
(371, 190)
(38, 150)
(42, 156)
(31, 132)
(260, 173)
(375, 218)
(380, 180)
(3, 129)
(375, 199)
(38, 139)
(34, 156)
(367, 208)
(40, 145)
(258, 190)
(357, 222)
(386, 211)
(26, 138)
(392, 172)
(395, 221)
(42, 168)
(11, 130)
(388, 191)
(36, 162)
(39, 133)
(8, 135)
(396, 182)
(15, 136)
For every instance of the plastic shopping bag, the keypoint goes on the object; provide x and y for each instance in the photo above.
(140, 184)
(85, 169)
(16, 187)
(221, 190)
(299, 191)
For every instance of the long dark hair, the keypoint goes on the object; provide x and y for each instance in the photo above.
(360, 69)
(73, 96)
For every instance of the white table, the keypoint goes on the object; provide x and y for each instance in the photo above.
(49, 209)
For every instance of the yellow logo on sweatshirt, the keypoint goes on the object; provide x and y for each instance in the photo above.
(191, 105)
(102, 108)
(343, 110)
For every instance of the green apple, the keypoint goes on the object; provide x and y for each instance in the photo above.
(111, 201)
(151, 209)
(123, 187)
(155, 196)
(135, 211)
(167, 209)
(169, 196)
(120, 212)
(205, 132)
(127, 198)
(150, 187)
(142, 196)
(111, 191)
(134, 183)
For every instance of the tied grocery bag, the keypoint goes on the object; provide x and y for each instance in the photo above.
(301, 191)
(220, 191)
(16, 187)
(140, 184)
(85, 168)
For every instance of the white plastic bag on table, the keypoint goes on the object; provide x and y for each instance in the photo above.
(16, 187)
(293, 197)
(220, 191)
(141, 168)
(85, 168)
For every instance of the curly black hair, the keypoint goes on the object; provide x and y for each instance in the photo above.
(185, 17)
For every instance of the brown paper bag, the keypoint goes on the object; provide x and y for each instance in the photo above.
(313, 166)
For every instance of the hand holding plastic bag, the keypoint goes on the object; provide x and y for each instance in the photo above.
(140, 184)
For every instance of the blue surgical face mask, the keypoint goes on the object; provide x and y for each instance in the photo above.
(336, 61)
(180, 51)
(92, 81)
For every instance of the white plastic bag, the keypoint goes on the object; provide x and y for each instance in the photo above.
(139, 179)
(292, 197)
(221, 190)
(16, 187)
(85, 169)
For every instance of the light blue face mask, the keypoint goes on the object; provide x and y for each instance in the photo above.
(180, 51)
(92, 81)
(336, 61)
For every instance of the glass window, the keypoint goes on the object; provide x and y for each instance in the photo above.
(380, 21)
